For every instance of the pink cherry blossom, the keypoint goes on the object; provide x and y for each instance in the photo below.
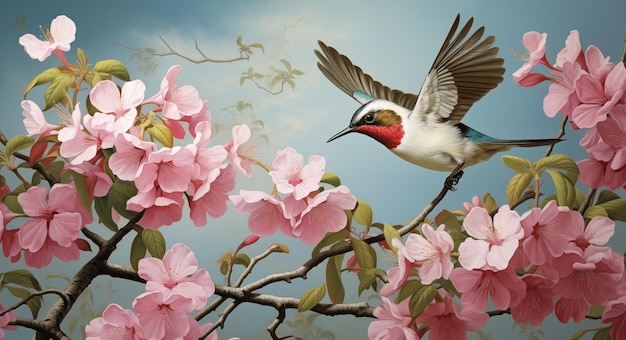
(594, 274)
(163, 318)
(535, 43)
(50, 249)
(432, 254)
(176, 102)
(106, 97)
(538, 301)
(597, 232)
(547, 232)
(130, 153)
(177, 273)
(575, 308)
(393, 322)
(493, 242)
(324, 213)
(562, 93)
(267, 212)
(34, 121)
(203, 116)
(476, 202)
(160, 207)
(241, 134)
(572, 52)
(213, 201)
(4, 321)
(291, 176)
(57, 218)
(598, 98)
(97, 180)
(170, 169)
(397, 276)
(615, 313)
(58, 38)
(448, 320)
(115, 323)
(504, 287)
(606, 146)
(84, 145)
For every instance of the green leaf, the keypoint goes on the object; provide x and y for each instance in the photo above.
(119, 193)
(114, 68)
(154, 241)
(161, 133)
(18, 143)
(103, 208)
(331, 178)
(367, 279)
(421, 299)
(518, 164)
(557, 161)
(603, 333)
(489, 202)
(311, 298)
(259, 46)
(81, 59)
(286, 63)
(329, 239)
(390, 233)
(616, 209)
(605, 196)
(408, 289)
(57, 89)
(595, 211)
(565, 191)
(11, 202)
(42, 78)
(336, 291)
(517, 186)
(363, 214)
(21, 277)
(137, 250)
(365, 254)
(34, 303)
(81, 189)
(242, 259)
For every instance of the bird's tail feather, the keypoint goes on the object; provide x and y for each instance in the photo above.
(489, 148)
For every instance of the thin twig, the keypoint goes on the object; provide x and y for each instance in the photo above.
(559, 135)
(253, 263)
(588, 199)
(31, 295)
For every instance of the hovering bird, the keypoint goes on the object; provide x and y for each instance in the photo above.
(426, 129)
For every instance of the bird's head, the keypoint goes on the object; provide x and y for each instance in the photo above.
(379, 119)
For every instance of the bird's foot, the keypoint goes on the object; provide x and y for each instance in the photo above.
(453, 180)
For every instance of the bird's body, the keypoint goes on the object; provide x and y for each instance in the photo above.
(426, 129)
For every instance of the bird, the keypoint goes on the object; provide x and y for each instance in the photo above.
(425, 129)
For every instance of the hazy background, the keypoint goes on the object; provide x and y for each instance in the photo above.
(395, 42)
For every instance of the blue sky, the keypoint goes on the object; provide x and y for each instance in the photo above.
(395, 42)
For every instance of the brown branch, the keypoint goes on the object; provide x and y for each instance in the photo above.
(172, 51)
(50, 324)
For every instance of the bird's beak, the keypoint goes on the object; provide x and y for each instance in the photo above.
(341, 133)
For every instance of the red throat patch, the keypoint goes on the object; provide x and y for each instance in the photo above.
(389, 136)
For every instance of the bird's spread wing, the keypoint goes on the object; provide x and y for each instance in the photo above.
(463, 72)
(350, 78)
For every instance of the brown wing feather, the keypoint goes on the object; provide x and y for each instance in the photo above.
(465, 69)
(349, 78)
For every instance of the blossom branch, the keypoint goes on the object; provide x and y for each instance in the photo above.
(51, 322)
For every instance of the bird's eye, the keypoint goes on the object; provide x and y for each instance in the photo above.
(369, 118)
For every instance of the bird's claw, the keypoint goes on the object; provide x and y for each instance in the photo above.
(453, 180)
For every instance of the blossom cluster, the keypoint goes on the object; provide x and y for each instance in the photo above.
(306, 212)
(559, 258)
(174, 287)
(591, 91)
